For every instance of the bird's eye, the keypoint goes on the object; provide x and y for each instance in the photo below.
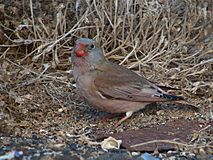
(92, 46)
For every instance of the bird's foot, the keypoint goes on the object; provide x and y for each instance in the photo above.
(128, 114)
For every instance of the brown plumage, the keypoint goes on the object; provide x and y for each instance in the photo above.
(111, 87)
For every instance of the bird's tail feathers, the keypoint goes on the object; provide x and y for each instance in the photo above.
(186, 103)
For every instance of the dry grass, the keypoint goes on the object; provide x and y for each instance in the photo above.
(169, 41)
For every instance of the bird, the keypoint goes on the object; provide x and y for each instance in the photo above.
(110, 87)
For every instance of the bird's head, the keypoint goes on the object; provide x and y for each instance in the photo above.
(87, 50)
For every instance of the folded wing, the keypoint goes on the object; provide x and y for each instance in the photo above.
(116, 82)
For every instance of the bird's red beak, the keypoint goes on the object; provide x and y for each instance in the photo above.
(80, 50)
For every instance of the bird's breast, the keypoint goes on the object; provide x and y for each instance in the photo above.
(85, 85)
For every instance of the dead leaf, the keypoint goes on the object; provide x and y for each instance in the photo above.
(110, 143)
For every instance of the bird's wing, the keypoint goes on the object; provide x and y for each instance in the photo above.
(116, 82)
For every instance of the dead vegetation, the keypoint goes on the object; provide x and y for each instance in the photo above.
(169, 41)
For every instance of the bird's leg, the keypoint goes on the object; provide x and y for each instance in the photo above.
(128, 114)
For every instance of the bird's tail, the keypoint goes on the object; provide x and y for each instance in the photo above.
(186, 103)
(178, 100)
(172, 97)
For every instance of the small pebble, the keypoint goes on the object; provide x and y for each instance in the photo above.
(73, 146)
(135, 153)
(60, 110)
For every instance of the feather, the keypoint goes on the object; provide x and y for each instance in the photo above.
(116, 82)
